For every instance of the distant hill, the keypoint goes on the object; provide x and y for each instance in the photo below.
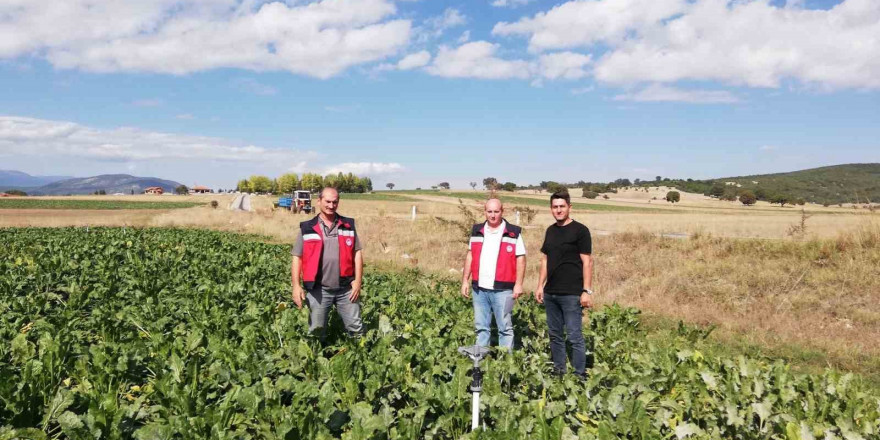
(18, 179)
(850, 183)
(111, 183)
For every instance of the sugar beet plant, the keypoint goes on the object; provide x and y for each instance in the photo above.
(161, 334)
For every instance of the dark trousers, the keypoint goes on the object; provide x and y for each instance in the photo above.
(565, 315)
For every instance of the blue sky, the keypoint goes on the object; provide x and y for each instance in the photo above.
(418, 92)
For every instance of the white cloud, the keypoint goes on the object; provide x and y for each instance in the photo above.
(767, 148)
(251, 85)
(319, 39)
(414, 60)
(465, 37)
(662, 93)
(185, 116)
(451, 18)
(476, 60)
(365, 168)
(581, 23)
(434, 27)
(748, 42)
(42, 138)
(510, 3)
(566, 65)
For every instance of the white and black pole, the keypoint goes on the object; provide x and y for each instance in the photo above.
(476, 353)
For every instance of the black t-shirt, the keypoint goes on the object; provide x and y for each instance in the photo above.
(563, 246)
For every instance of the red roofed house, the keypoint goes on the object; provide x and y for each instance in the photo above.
(154, 190)
(200, 190)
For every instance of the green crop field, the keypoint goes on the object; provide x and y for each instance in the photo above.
(29, 203)
(163, 333)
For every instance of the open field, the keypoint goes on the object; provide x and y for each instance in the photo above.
(165, 333)
(811, 297)
(516, 199)
(636, 200)
(41, 203)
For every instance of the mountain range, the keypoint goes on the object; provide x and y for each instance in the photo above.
(110, 183)
(18, 179)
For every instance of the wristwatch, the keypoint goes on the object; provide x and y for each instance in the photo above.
(588, 291)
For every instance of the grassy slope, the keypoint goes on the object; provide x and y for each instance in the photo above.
(832, 184)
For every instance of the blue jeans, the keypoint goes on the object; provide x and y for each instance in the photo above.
(320, 302)
(500, 303)
(565, 315)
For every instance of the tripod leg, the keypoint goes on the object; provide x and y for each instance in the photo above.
(475, 412)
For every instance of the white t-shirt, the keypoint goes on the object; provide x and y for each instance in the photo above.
(489, 254)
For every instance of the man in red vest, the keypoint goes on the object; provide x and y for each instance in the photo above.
(327, 259)
(496, 260)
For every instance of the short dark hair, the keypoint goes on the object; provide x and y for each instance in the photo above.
(563, 194)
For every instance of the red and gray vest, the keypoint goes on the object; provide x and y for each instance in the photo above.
(313, 245)
(505, 269)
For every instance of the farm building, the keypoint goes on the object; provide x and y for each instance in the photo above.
(154, 190)
(200, 190)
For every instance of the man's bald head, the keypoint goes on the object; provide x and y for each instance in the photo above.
(494, 211)
(494, 203)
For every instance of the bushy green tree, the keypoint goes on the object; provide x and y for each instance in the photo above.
(182, 190)
(508, 186)
(673, 197)
(554, 187)
(717, 190)
(443, 185)
(780, 199)
(490, 183)
(288, 183)
(260, 184)
(589, 194)
(729, 195)
(747, 198)
(311, 182)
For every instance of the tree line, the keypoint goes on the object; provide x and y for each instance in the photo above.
(712, 188)
(313, 182)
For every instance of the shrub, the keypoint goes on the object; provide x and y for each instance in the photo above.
(781, 199)
(673, 197)
(747, 198)
(214, 204)
(590, 194)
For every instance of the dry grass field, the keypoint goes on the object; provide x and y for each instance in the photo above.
(812, 296)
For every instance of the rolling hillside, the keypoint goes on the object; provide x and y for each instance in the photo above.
(849, 183)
